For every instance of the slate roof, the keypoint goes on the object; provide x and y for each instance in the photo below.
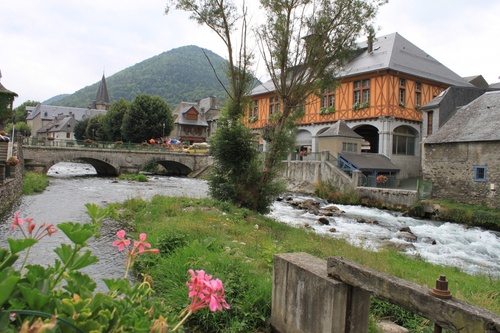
(370, 162)
(49, 112)
(392, 52)
(451, 99)
(183, 121)
(477, 121)
(340, 129)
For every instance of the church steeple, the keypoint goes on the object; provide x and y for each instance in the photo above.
(102, 97)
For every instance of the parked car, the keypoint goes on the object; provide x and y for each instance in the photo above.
(198, 148)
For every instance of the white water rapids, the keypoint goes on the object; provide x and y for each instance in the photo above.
(472, 250)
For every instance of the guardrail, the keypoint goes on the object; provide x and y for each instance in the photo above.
(314, 295)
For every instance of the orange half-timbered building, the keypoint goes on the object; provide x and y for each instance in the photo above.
(379, 96)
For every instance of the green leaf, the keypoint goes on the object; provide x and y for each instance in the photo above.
(83, 260)
(7, 285)
(78, 233)
(35, 299)
(8, 261)
(17, 245)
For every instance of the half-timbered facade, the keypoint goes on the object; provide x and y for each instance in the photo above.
(379, 96)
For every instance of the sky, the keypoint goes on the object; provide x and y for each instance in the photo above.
(53, 47)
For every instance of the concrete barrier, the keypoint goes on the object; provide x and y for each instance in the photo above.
(312, 295)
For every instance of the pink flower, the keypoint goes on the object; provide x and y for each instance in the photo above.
(205, 292)
(142, 243)
(17, 222)
(122, 243)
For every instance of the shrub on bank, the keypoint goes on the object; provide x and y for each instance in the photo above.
(34, 182)
(326, 190)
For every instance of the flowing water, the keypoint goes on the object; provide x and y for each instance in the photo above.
(473, 250)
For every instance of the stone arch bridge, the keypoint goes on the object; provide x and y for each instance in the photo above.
(113, 162)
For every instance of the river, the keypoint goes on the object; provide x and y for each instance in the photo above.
(472, 250)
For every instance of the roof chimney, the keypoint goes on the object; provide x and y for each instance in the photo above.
(370, 42)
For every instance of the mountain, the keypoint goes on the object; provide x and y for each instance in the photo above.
(55, 99)
(180, 75)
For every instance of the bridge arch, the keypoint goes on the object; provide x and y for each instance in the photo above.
(173, 168)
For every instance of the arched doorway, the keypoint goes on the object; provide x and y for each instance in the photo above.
(370, 134)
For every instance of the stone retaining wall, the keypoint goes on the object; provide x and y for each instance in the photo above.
(11, 188)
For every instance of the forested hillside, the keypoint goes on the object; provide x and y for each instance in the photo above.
(179, 75)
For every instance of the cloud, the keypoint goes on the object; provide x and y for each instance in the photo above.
(58, 46)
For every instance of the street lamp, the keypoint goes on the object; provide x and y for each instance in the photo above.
(163, 135)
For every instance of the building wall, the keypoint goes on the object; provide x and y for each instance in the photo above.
(334, 144)
(450, 166)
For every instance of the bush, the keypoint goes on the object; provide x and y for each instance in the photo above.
(327, 191)
(34, 182)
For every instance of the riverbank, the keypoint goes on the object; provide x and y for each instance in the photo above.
(238, 245)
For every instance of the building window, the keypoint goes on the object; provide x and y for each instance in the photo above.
(430, 116)
(68, 135)
(418, 95)
(254, 109)
(328, 98)
(402, 92)
(479, 173)
(403, 141)
(349, 146)
(362, 92)
(274, 105)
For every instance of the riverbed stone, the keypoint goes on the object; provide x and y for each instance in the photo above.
(386, 326)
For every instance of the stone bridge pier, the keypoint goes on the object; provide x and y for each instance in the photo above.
(113, 162)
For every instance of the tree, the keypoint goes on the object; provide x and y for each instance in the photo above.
(146, 118)
(113, 120)
(304, 44)
(21, 128)
(20, 113)
(237, 169)
(79, 129)
(94, 129)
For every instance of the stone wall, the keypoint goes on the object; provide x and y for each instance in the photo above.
(451, 169)
(11, 188)
(301, 176)
(392, 198)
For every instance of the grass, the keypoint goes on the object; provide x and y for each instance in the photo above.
(135, 177)
(34, 182)
(237, 246)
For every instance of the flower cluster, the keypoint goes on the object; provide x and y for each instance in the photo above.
(13, 160)
(42, 231)
(205, 292)
(381, 179)
(139, 247)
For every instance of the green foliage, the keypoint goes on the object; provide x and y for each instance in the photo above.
(178, 75)
(34, 182)
(80, 129)
(400, 316)
(238, 175)
(237, 245)
(326, 190)
(20, 112)
(145, 119)
(21, 127)
(113, 120)
(94, 129)
(471, 215)
(38, 293)
(135, 177)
